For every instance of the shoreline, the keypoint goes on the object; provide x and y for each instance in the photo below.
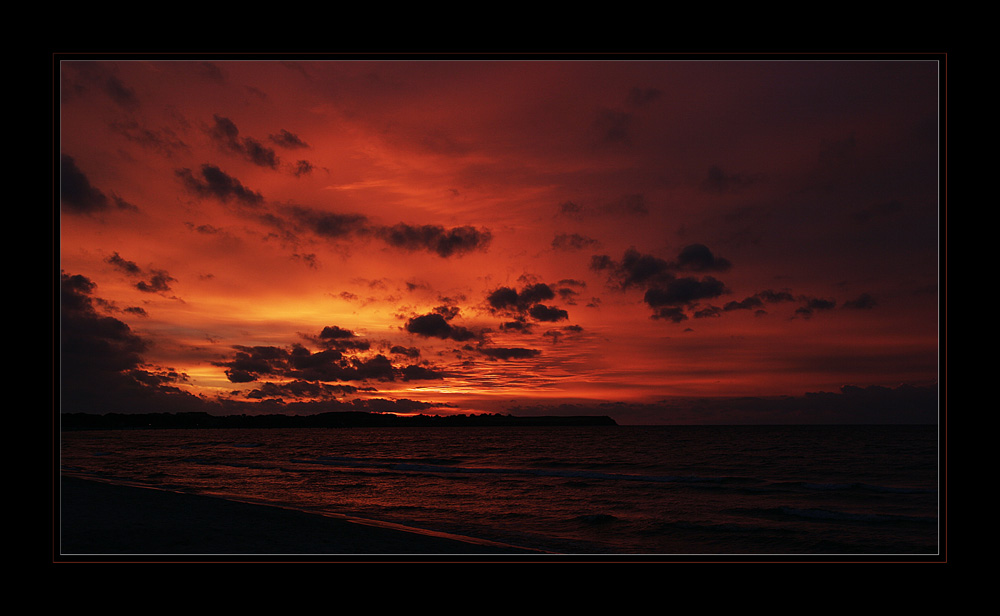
(100, 519)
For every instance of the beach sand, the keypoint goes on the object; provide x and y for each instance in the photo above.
(96, 518)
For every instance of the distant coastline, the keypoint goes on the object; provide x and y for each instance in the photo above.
(339, 419)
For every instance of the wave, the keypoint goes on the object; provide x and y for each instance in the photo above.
(453, 466)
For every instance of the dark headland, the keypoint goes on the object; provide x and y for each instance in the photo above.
(339, 419)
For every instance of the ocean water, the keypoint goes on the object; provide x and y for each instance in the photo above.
(626, 490)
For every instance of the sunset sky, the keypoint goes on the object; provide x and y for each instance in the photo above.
(657, 240)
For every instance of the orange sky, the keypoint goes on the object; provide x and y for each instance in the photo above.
(225, 213)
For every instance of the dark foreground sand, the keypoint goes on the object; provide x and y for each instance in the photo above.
(96, 518)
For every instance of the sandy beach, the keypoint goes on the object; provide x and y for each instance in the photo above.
(100, 519)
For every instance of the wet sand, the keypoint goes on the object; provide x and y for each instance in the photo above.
(101, 519)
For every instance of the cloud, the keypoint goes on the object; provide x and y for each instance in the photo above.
(334, 332)
(506, 298)
(419, 373)
(751, 303)
(698, 258)
(508, 353)
(771, 296)
(102, 366)
(216, 183)
(407, 351)
(434, 325)
(301, 389)
(634, 270)
(444, 242)
(302, 167)
(340, 361)
(642, 270)
(163, 140)
(863, 302)
(288, 140)
(812, 305)
(76, 190)
(666, 293)
(158, 281)
(541, 312)
(226, 134)
(329, 224)
(573, 241)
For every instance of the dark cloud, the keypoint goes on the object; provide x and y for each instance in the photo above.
(76, 190)
(751, 303)
(164, 141)
(288, 140)
(448, 312)
(863, 302)
(249, 364)
(519, 325)
(435, 325)
(775, 296)
(527, 302)
(667, 294)
(670, 313)
(509, 353)
(214, 182)
(301, 389)
(407, 351)
(329, 224)
(812, 305)
(821, 304)
(573, 241)
(634, 270)
(568, 295)
(158, 280)
(444, 242)
(81, 76)
(123, 95)
(129, 267)
(334, 332)
(698, 258)
(542, 312)
(102, 368)
(420, 373)
(302, 167)
(708, 312)
(642, 270)
(226, 135)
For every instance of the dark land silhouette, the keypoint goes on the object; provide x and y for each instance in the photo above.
(340, 419)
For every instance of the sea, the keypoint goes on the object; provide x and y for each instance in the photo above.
(812, 491)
